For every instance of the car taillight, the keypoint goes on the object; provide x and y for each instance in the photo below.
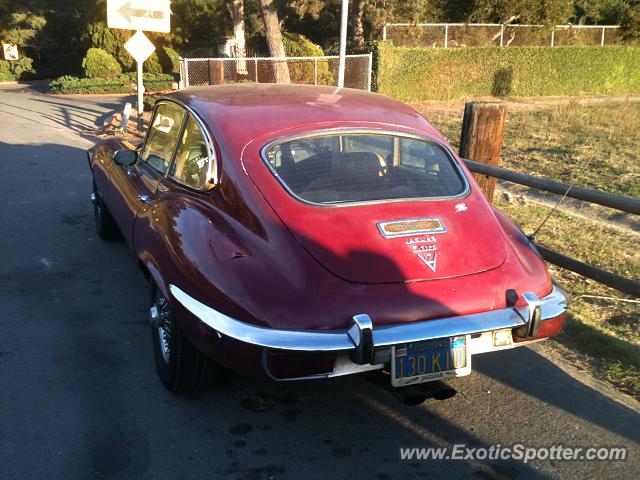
(548, 328)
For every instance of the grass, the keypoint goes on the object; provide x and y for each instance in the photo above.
(595, 147)
(602, 325)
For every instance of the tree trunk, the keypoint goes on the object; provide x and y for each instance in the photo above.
(274, 40)
(236, 10)
(358, 23)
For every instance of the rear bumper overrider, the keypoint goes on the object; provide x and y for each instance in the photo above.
(363, 347)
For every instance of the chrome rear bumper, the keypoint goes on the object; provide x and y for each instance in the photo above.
(361, 340)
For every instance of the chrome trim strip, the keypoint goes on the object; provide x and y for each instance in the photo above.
(433, 231)
(534, 314)
(551, 306)
(361, 334)
(447, 327)
(214, 167)
(213, 173)
(299, 340)
(370, 131)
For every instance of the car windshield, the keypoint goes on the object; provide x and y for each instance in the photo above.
(360, 167)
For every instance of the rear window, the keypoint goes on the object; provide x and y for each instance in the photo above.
(360, 167)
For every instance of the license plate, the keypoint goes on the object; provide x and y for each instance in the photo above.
(419, 362)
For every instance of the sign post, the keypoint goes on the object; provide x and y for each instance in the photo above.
(139, 15)
(140, 48)
(140, 95)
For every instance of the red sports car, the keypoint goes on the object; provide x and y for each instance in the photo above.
(306, 232)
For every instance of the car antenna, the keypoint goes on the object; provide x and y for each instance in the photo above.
(532, 237)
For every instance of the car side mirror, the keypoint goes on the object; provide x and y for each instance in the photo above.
(126, 157)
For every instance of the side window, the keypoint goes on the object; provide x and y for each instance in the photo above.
(191, 166)
(422, 156)
(163, 136)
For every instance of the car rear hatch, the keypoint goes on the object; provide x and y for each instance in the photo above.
(399, 242)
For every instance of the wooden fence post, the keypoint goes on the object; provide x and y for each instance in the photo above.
(481, 139)
(216, 72)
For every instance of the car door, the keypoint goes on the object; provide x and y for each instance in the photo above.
(135, 186)
(180, 224)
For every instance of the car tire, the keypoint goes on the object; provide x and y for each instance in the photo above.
(106, 227)
(180, 365)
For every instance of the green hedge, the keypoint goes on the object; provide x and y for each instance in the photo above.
(122, 84)
(413, 74)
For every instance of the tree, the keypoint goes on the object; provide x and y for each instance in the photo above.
(23, 27)
(548, 12)
(274, 39)
(418, 10)
(358, 23)
(198, 27)
(112, 40)
(630, 21)
(236, 10)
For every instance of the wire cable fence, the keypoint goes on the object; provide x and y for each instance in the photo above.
(452, 35)
(302, 70)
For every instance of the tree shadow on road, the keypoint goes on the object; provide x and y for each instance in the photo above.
(82, 114)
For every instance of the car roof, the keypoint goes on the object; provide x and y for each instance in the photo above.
(240, 113)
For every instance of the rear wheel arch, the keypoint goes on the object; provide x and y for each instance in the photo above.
(180, 365)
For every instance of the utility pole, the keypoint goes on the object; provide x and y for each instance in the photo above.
(343, 42)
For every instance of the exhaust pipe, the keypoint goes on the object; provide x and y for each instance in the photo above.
(409, 395)
(437, 390)
(412, 395)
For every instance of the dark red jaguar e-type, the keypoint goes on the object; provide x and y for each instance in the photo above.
(308, 232)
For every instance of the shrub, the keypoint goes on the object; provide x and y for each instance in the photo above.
(414, 74)
(152, 64)
(7, 77)
(169, 59)
(5, 66)
(99, 63)
(112, 41)
(22, 70)
(125, 83)
(297, 45)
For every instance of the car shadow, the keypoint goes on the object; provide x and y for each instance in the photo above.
(511, 388)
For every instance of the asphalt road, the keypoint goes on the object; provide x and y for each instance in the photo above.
(79, 397)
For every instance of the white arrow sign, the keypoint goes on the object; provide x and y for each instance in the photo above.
(147, 15)
(139, 47)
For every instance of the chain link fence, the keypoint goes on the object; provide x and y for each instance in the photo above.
(452, 35)
(302, 70)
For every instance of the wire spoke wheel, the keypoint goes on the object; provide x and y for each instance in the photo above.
(161, 315)
(180, 365)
